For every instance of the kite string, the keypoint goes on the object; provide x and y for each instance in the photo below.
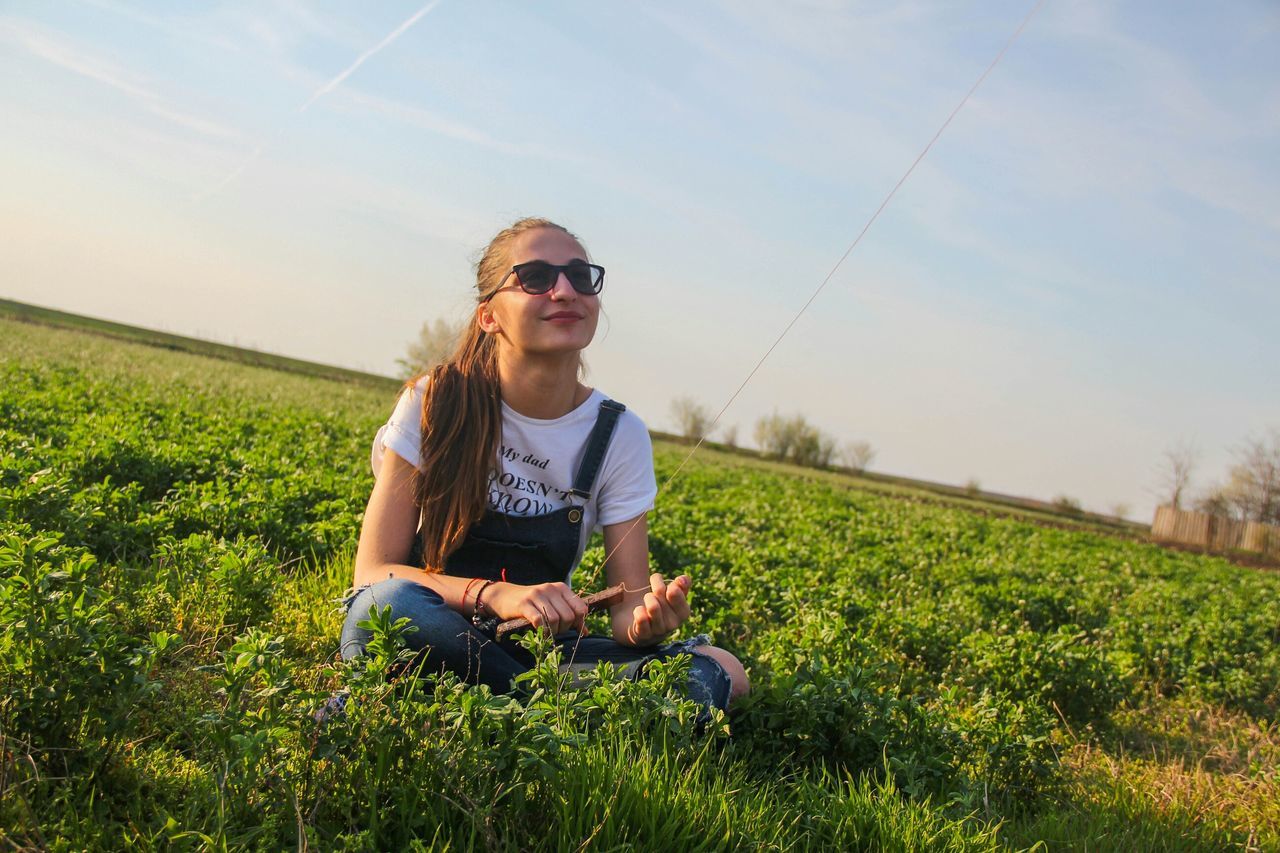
(856, 240)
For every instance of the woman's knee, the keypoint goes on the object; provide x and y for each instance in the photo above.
(422, 606)
(739, 685)
(402, 595)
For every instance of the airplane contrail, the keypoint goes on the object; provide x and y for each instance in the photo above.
(392, 36)
(320, 93)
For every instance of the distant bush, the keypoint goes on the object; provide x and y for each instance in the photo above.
(858, 455)
(1252, 490)
(435, 343)
(814, 449)
(794, 439)
(693, 419)
(1068, 505)
(773, 436)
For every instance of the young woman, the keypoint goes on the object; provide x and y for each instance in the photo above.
(493, 471)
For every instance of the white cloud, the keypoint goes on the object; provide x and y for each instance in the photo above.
(301, 21)
(280, 27)
(409, 209)
(179, 29)
(429, 121)
(80, 60)
(1154, 126)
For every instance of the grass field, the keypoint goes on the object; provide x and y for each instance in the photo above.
(975, 499)
(26, 313)
(175, 529)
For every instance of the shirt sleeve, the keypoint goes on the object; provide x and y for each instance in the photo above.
(627, 485)
(402, 432)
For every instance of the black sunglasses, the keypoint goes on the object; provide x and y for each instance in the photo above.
(540, 276)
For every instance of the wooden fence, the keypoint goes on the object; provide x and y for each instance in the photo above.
(1214, 532)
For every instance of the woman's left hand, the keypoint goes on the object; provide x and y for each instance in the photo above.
(665, 608)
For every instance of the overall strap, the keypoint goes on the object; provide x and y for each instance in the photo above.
(597, 444)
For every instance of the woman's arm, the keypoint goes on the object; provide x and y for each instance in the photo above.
(651, 608)
(386, 540)
(386, 535)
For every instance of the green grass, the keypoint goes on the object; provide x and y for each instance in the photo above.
(174, 531)
(22, 312)
(976, 500)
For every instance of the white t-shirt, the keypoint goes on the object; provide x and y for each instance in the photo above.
(537, 461)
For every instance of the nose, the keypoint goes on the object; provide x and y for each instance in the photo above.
(565, 292)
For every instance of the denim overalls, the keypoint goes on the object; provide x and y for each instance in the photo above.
(531, 550)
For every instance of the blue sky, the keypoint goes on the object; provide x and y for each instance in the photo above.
(1081, 273)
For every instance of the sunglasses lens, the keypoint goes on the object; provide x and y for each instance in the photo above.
(537, 277)
(583, 278)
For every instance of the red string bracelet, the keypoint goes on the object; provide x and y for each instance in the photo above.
(476, 618)
(466, 592)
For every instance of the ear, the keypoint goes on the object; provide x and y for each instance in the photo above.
(486, 320)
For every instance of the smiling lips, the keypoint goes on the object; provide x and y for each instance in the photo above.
(563, 317)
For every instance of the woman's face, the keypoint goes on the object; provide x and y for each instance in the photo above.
(558, 321)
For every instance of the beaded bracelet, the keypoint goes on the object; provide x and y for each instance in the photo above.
(476, 619)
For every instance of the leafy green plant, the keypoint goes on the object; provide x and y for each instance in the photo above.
(174, 533)
(69, 677)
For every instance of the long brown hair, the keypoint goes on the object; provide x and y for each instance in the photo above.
(462, 417)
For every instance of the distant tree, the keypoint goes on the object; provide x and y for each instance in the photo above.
(973, 486)
(1175, 472)
(1252, 490)
(692, 418)
(795, 440)
(434, 344)
(1258, 474)
(1068, 505)
(858, 455)
(1120, 510)
(729, 435)
(1218, 502)
(813, 448)
(774, 435)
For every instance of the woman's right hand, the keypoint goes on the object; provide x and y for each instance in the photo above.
(552, 606)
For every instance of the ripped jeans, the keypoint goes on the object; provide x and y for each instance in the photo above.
(448, 641)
